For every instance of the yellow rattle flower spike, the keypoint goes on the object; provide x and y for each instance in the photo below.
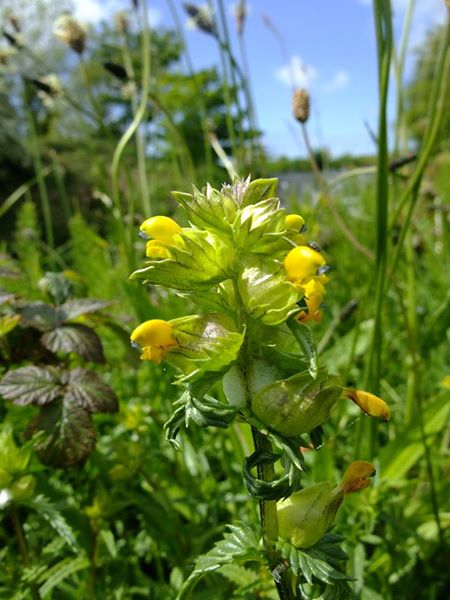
(160, 228)
(155, 337)
(368, 403)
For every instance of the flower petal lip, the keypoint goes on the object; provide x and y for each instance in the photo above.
(294, 221)
(369, 403)
(155, 332)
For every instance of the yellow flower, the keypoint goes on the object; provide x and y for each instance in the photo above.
(294, 221)
(368, 403)
(314, 291)
(301, 264)
(304, 517)
(160, 228)
(155, 337)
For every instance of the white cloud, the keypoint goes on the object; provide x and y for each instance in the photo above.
(297, 74)
(94, 11)
(339, 81)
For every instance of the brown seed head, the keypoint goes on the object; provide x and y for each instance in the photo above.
(300, 105)
(70, 31)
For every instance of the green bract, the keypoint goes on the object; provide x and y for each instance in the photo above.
(298, 404)
(265, 292)
(198, 258)
(205, 343)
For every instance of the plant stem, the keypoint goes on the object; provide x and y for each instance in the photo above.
(22, 543)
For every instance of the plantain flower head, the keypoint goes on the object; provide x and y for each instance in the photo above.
(70, 31)
(304, 517)
(368, 403)
(154, 337)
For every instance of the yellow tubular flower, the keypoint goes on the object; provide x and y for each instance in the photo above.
(314, 291)
(301, 263)
(356, 477)
(155, 337)
(160, 228)
(368, 403)
(294, 221)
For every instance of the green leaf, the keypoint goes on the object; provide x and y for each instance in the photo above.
(82, 306)
(67, 434)
(205, 343)
(265, 292)
(31, 385)
(87, 390)
(41, 316)
(8, 323)
(403, 452)
(303, 335)
(48, 511)
(75, 338)
(57, 573)
(198, 260)
(260, 189)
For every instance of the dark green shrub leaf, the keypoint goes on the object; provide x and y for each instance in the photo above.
(31, 385)
(75, 338)
(82, 306)
(41, 316)
(88, 391)
(67, 434)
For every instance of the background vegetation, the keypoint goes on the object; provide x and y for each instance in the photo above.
(83, 159)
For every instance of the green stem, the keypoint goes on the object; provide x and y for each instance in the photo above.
(39, 172)
(146, 206)
(22, 543)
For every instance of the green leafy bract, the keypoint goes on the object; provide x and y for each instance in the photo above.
(265, 292)
(204, 343)
(199, 260)
(258, 226)
(210, 208)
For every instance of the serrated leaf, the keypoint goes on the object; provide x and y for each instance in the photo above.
(82, 306)
(48, 511)
(75, 338)
(41, 316)
(209, 209)
(31, 385)
(198, 260)
(67, 434)
(304, 339)
(57, 573)
(87, 390)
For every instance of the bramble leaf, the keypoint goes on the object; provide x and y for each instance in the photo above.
(31, 385)
(88, 391)
(75, 338)
(82, 306)
(67, 434)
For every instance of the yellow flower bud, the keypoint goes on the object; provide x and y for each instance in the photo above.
(156, 249)
(155, 337)
(301, 263)
(304, 517)
(369, 403)
(294, 221)
(160, 228)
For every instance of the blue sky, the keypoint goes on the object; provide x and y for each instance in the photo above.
(329, 47)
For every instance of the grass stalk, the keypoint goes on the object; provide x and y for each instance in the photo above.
(40, 180)
(23, 547)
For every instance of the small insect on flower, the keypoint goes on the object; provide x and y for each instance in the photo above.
(154, 337)
(296, 222)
